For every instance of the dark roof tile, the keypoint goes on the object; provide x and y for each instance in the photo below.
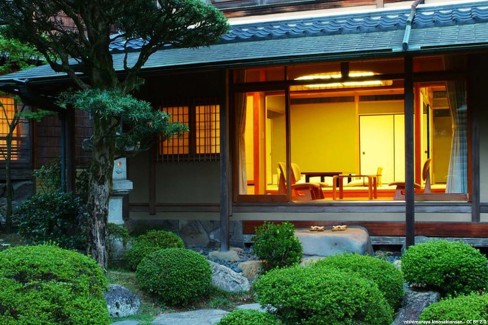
(327, 37)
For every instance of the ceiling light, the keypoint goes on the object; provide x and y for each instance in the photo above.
(346, 83)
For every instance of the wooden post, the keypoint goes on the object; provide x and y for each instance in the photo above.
(224, 165)
(409, 154)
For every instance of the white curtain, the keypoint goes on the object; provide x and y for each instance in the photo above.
(457, 178)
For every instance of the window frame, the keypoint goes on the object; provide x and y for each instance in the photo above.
(189, 150)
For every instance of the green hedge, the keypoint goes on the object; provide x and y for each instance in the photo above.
(388, 278)
(277, 245)
(50, 285)
(52, 217)
(177, 276)
(451, 268)
(473, 307)
(148, 243)
(310, 295)
(248, 317)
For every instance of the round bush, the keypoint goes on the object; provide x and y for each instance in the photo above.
(461, 308)
(177, 276)
(52, 217)
(388, 278)
(310, 295)
(450, 268)
(277, 245)
(149, 242)
(248, 317)
(50, 285)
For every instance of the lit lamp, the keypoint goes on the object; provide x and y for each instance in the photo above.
(343, 82)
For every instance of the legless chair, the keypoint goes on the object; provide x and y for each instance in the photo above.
(400, 186)
(299, 191)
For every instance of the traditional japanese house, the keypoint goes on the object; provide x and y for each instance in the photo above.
(375, 111)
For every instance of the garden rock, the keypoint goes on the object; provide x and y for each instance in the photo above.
(251, 269)
(231, 255)
(329, 243)
(193, 234)
(413, 304)
(195, 317)
(121, 302)
(226, 279)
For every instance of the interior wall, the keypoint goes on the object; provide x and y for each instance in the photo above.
(324, 137)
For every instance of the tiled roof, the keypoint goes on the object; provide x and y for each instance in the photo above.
(346, 35)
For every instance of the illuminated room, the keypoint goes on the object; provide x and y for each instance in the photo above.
(342, 124)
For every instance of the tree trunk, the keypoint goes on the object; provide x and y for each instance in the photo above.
(100, 182)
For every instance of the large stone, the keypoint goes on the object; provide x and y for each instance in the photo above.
(121, 302)
(232, 255)
(193, 234)
(226, 279)
(194, 317)
(251, 269)
(413, 304)
(329, 243)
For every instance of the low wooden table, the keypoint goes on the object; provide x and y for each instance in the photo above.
(322, 175)
(338, 181)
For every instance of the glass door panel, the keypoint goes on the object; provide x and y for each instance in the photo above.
(260, 134)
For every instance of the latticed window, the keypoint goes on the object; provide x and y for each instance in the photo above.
(19, 139)
(202, 142)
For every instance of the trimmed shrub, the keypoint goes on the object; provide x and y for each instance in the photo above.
(461, 308)
(50, 285)
(150, 242)
(248, 317)
(52, 217)
(388, 278)
(177, 276)
(309, 295)
(277, 245)
(450, 268)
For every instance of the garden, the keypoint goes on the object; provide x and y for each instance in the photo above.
(46, 277)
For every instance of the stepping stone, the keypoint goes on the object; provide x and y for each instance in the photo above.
(196, 317)
(329, 243)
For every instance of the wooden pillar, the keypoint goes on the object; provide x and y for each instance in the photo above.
(225, 197)
(409, 154)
